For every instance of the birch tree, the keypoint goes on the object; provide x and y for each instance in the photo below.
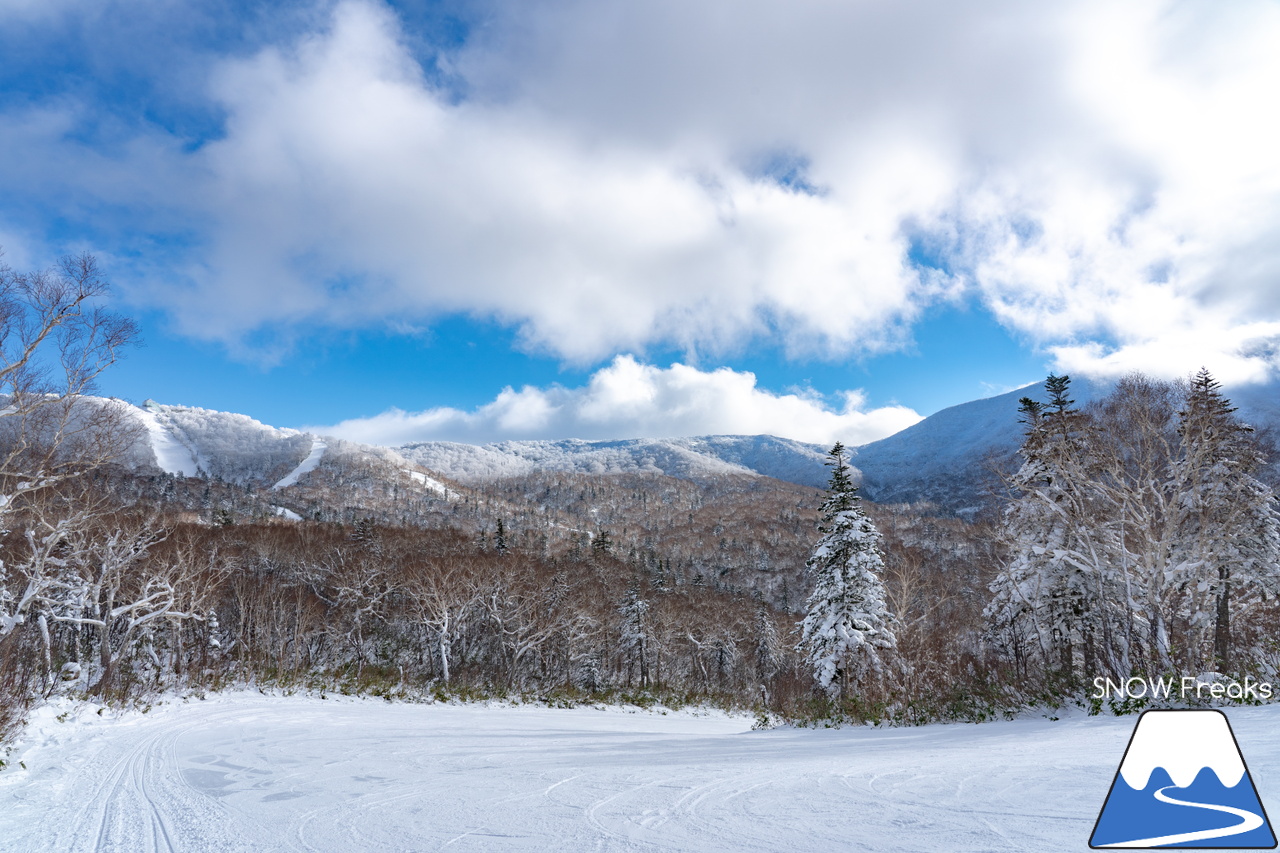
(55, 340)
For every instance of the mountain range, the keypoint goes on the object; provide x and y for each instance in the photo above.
(948, 459)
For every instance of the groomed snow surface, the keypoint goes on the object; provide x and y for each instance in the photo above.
(251, 772)
(306, 466)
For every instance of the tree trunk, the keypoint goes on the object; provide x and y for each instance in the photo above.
(104, 659)
(1222, 625)
(444, 651)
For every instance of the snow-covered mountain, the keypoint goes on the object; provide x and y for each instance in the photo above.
(948, 459)
(187, 441)
(688, 458)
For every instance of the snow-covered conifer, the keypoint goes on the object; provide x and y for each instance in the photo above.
(768, 644)
(635, 633)
(1231, 530)
(1138, 527)
(848, 623)
(1054, 604)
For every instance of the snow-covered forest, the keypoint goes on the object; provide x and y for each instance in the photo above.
(1138, 536)
(1141, 539)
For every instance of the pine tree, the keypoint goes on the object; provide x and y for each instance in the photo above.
(635, 633)
(1055, 604)
(1138, 532)
(601, 544)
(768, 644)
(500, 538)
(1231, 528)
(848, 623)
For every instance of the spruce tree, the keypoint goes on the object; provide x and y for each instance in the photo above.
(1139, 530)
(1055, 604)
(635, 633)
(500, 538)
(1231, 528)
(848, 623)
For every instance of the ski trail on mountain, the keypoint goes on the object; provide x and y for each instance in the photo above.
(172, 456)
(1249, 822)
(306, 466)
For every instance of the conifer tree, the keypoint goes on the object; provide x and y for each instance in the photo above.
(1054, 604)
(1231, 527)
(635, 633)
(500, 538)
(848, 623)
(768, 644)
(1138, 531)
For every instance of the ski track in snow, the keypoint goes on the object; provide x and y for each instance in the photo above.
(247, 772)
(306, 466)
(172, 456)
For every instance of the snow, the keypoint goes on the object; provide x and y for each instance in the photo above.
(431, 483)
(286, 513)
(941, 458)
(172, 456)
(236, 448)
(306, 466)
(692, 458)
(252, 772)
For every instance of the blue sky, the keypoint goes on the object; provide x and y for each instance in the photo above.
(477, 221)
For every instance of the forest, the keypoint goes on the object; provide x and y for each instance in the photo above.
(1137, 535)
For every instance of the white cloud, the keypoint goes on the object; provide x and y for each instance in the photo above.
(1241, 354)
(635, 400)
(347, 190)
(613, 175)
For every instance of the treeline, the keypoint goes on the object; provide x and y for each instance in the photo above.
(122, 605)
(1139, 538)
(1143, 538)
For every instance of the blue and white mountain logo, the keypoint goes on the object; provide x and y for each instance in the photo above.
(1183, 783)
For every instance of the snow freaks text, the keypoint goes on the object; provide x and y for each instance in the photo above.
(1186, 687)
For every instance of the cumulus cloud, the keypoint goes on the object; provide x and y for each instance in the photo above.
(615, 175)
(635, 400)
(347, 189)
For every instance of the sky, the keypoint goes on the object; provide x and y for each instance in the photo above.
(480, 221)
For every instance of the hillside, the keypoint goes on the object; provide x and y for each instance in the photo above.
(949, 459)
(687, 458)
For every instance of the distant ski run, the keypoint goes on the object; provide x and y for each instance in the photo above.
(306, 466)
(172, 456)
(1249, 821)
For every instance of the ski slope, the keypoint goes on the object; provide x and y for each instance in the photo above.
(306, 466)
(172, 456)
(249, 772)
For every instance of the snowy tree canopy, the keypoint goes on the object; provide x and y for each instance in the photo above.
(848, 621)
(1137, 529)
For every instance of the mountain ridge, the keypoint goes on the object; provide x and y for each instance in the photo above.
(949, 459)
